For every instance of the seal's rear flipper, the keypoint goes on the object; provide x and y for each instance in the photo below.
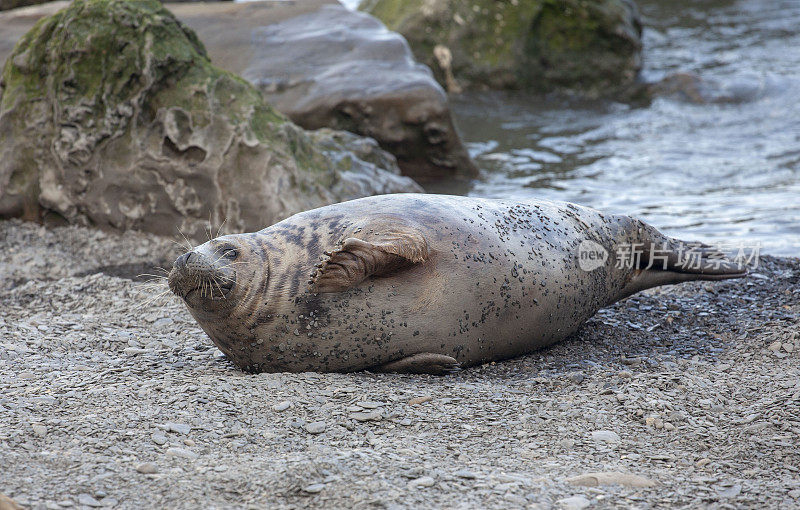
(677, 262)
(356, 260)
(692, 261)
(423, 363)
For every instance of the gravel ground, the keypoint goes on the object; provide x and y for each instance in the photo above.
(112, 397)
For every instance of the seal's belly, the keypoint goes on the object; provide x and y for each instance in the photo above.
(474, 320)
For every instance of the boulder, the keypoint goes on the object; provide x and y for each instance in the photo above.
(323, 66)
(592, 46)
(342, 69)
(111, 114)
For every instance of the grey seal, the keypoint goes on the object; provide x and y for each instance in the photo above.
(423, 283)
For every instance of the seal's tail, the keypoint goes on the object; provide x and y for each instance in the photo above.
(691, 261)
(667, 261)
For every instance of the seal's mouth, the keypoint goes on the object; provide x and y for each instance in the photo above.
(199, 279)
(207, 289)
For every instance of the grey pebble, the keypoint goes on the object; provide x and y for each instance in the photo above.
(44, 400)
(423, 481)
(134, 350)
(606, 436)
(147, 468)
(282, 406)
(87, 500)
(374, 415)
(367, 404)
(182, 453)
(574, 503)
(576, 377)
(729, 492)
(316, 427)
(179, 428)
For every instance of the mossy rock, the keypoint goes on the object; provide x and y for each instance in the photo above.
(111, 114)
(592, 46)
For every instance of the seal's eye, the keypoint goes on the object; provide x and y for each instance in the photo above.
(230, 253)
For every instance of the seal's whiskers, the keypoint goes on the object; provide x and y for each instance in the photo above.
(219, 230)
(188, 245)
(219, 287)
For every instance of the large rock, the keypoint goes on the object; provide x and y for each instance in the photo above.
(111, 114)
(323, 66)
(589, 45)
(343, 69)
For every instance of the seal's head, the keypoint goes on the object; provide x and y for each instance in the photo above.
(209, 278)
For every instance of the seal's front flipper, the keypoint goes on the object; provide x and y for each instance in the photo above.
(356, 260)
(423, 363)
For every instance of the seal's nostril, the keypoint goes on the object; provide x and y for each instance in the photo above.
(181, 261)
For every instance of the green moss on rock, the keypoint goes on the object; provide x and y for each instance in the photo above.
(590, 45)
